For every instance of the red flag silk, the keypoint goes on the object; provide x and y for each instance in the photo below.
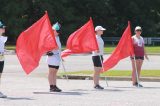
(81, 41)
(123, 50)
(34, 42)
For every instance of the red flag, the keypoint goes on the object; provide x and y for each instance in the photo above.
(81, 41)
(123, 50)
(34, 42)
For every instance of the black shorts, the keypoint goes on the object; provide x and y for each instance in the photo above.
(97, 61)
(138, 57)
(52, 66)
(1, 66)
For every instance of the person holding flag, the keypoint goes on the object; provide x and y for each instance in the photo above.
(139, 51)
(97, 56)
(54, 60)
(34, 42)
(3, 40)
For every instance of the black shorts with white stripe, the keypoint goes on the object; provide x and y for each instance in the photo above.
(97, 60)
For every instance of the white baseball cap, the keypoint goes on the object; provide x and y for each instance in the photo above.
(97, 28)
(138, 28)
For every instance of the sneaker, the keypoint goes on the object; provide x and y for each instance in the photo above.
(98, 87)
(55, 89)
(2, 95)
(137, 85)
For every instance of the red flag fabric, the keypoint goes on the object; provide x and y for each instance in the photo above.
(34, 42)
(81, 41)
(123, 50)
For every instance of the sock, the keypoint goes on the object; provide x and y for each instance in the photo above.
(52, 86)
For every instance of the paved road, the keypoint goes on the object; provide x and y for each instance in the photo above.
(78, 63)
(25, 90)
(32, 90)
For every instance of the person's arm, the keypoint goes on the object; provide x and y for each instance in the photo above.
(132, 55)
(96, 51)
(145, 53)
(50, 53)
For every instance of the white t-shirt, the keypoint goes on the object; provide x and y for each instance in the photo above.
(100, 46)
(55, 59)
(3, 40)
(138, 41)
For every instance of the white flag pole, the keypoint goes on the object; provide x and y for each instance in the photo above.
(103, 69)
(64, 69)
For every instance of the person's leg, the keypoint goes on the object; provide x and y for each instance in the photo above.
(52, 76)
(134, 79)
(140, 62)
(135, 67)
(1, 70)
(97, 68)
(96, 75)
(139, 65)
(138, 68)
(0, 79)
(55, 77)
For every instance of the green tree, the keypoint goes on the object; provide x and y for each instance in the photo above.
(72, 14)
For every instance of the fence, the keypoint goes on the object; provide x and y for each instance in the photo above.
(148, 40)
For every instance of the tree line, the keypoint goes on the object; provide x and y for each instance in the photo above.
(18, 15)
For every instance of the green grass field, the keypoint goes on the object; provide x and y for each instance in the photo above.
(149, 49)
(109, 49)
(10, 47)
(144, 73)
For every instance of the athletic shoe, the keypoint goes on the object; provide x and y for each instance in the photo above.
(137, 85)
(55, 89)
(98, 87)
(2, 95)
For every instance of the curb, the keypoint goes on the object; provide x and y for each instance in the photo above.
(111, 78)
